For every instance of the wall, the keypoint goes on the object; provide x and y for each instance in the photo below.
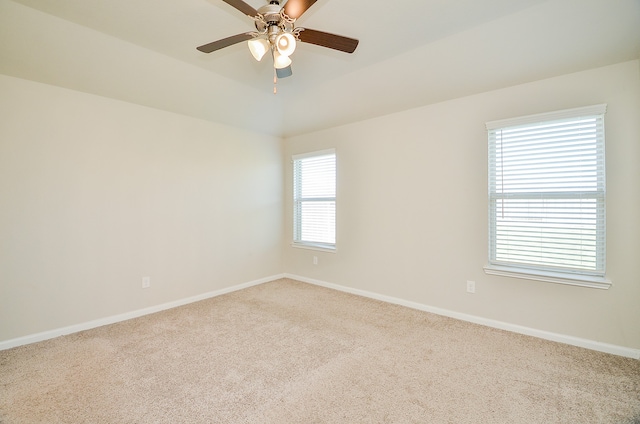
(97, 193)
(412, 209)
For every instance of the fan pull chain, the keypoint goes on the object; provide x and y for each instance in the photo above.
(275, 82)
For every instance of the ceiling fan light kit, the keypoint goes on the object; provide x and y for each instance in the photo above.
(276, 32)
(258, 48)
(286, 43)
(280, 61)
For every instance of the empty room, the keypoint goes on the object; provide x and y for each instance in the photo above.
(319, 211)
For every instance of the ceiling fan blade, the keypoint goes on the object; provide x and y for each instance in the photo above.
(295, 8)
(225, 42)
(242, 6)
(332, 41)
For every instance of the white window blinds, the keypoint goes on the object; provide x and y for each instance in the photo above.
(547, 192)
(314, 199)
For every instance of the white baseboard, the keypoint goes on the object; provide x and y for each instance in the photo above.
(45, 335)
(561, 338)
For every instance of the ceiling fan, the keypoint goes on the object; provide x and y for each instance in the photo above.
(276, 33)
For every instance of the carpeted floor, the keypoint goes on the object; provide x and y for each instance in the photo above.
(289, 352)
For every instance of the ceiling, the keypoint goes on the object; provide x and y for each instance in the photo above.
(411, 53)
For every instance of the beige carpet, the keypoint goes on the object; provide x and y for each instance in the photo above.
(289, 352)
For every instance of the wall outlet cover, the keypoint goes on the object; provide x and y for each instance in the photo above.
(471, 286)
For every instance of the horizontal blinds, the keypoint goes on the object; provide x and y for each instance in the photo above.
(547, 195)
(315, 199)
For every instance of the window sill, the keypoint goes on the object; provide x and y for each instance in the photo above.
(549, 277)
(311, 246)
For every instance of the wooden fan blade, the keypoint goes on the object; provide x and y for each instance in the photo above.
(225, 42)
(242, 6)
(295, 8)
(332, 41)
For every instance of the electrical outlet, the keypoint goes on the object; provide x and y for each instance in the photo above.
(315, 260)
(471, 286)
(146, 282)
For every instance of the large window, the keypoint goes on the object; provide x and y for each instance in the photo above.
(547, 197)
(314, 200)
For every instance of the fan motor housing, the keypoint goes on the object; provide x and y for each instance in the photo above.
(271, 13)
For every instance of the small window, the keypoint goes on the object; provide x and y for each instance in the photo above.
(314, 200)
(547, 197)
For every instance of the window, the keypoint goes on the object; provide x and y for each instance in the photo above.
(547, 197)
(314, 200)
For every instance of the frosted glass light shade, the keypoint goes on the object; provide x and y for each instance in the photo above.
(286, 44)
(258, 47)
(280, 61)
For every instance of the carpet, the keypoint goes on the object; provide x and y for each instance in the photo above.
(291, 352)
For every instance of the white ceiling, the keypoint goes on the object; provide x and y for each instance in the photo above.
(411, 53)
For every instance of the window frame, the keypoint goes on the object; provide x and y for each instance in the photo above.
(532, 271)
(298, 201)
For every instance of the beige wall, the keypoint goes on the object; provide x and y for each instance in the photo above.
(412, 209)
(97, 193)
